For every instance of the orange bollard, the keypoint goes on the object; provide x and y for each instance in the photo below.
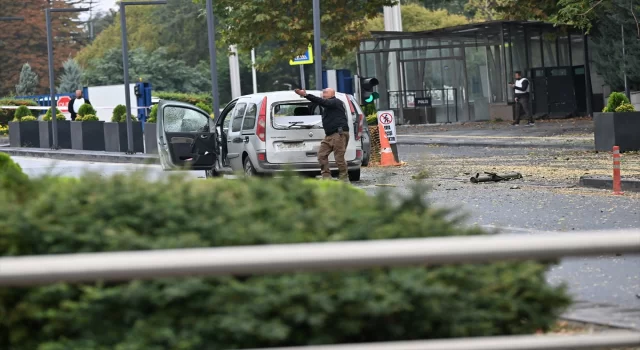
(617, 186)
(386, 155)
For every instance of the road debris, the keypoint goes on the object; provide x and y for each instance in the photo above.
(494, 177)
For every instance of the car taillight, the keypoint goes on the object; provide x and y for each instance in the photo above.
(262, 157)
(358, 154)
(261, 130)
(360, 127)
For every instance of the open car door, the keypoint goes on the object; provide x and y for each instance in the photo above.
(186, 138)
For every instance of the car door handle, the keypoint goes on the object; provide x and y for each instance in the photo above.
(237, 140)
(246, 139)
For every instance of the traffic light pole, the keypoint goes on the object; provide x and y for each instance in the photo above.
(317, 49)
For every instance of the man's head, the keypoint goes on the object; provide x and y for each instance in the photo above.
(518, 74)
(78, 93)
(328, 93)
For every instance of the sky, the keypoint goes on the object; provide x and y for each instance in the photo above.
(104, 5)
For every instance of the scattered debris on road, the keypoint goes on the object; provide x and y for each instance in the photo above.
(494, 177)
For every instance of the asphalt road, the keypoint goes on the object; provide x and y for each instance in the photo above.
(526, 210)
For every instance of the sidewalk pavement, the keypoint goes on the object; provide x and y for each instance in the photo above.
(563, 134)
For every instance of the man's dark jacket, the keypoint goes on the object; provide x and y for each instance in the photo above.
(70, 107)
(333, 114)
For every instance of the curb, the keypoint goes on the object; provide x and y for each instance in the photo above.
(493, 145)
(606, 183)
(84, 157)
(600, 314)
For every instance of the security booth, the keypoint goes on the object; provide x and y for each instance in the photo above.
(462, 73)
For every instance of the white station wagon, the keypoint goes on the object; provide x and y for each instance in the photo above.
(255, 134)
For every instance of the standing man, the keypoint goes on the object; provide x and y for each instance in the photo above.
(75, 103)
(336, 129)
(521, 88)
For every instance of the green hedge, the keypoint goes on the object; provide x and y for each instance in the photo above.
(86, 109)
(21, 112)
(616, 99)
(119, 114)
(193, 99)
(59, 115)
(130, 213)
(7, 115)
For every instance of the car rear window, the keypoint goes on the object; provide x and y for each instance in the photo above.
(289, 115)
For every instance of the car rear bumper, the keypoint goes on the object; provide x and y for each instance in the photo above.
(303, 167)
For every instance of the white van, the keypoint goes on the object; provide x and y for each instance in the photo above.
(256, 134)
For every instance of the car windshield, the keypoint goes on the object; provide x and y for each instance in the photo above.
(289, 115)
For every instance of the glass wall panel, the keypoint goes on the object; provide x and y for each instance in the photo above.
(577, 50)
(549, 47)
(535, 54)
(563, 51)
(479, 84)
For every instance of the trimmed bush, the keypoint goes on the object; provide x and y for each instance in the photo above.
(86, 109)
(370, 109)
(59, 115)
(119, 114)
(130, 213)
(205, 107)
(21, 112)
(625, 107)
(4, 130)
(193, 99)
(28, 118)
(372, 119)
(87, 118)
(12, 180)
(153, 115)
(616, 99)
(7, 115)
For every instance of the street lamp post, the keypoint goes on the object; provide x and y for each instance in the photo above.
(125, 64)
(316, 44)
(52, 90)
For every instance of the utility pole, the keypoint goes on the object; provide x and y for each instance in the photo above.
(213, 58)
(234, 71)
(627, 91)
(253, 71)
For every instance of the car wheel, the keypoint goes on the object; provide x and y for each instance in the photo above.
(354, 175)
(249, 170)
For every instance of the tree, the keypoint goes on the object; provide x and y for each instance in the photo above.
(289, 26)
(512, 9)
(28, 83)
(71, 79)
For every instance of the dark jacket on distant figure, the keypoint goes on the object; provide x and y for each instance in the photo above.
(334, 115)
(72, 110)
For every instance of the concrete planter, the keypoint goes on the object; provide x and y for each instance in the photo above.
(24, 134)
(150, 138)
(87, 136)
(617, 129)
(115, 137)
(64, 134)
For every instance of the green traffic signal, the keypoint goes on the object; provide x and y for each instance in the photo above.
(372, 97)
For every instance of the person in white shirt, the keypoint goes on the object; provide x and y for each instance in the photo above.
(521, 93)
(75, 103)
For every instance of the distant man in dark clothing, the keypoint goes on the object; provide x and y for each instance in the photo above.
(75, 103)
(336, 129)
(522, 88)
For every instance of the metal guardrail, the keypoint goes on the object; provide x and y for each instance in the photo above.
(255, 260)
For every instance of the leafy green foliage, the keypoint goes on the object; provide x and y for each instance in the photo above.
(22, 112)
(59, 115)
(9, 114)
(130, 213)
(289, 26)
(193, 99)
(71, 78)
(153, 115)
(119, 114)
(28, 118)
(87, 118)
(205, 107)
(372, 119)
(86, 109)
(4, 130)
(616, 99)
(417, 18)
(13, 182)
(28, 83)
(625, 107)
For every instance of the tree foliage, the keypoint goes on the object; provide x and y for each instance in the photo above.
(417, 18)
(288, 25)
(28, 83)
(130, 213)
(71, 78)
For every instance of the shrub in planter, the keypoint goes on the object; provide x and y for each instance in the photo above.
(153, 115)
(615, 100)
(372, 119)
(4, 130)
(21, 112)
(625, 107)
(87, 133)
(86, 109)
(119, 114)
(130, 213)
(150, 130)
(29, 118)
(59, 115)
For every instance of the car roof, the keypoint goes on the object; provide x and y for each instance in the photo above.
(287, 95)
